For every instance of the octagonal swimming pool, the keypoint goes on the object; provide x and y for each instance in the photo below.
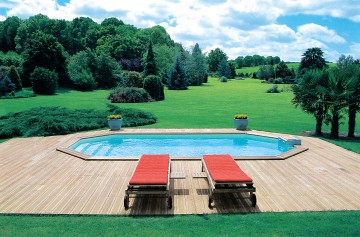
(182, 145)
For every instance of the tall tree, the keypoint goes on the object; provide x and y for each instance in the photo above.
(197, 66)
(8, 30)
(150, 62)
(312, 59)
(336, 92)
(177, 77)
(223, 69)
(43, 50)
(282, 70)
(214, 58)
(15, 78)
(309, 98)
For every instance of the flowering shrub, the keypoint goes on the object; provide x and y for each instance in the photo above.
(129, 95)
(114, 116)
(240, 116)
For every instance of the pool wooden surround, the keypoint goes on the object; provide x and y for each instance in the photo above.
(36, 177)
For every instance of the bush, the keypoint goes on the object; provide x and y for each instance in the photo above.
(153, 85)
(44, 81)
(47, 121)
(19, 94)
(278, 81)
(6, 86)
(83, 80)
(131, 79)
(223, 79)
(273, 89)
(15, 78)
(129, 95)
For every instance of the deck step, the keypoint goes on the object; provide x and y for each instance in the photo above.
(177, 175)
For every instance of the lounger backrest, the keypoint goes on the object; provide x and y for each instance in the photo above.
(223, 168)
(151, 170)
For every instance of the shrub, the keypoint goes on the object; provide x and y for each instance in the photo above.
(129, 95)
(47, 121)
(83, 80)
(6, 86)
(153, 85)
(278, 81)
(19, 94)
(131, 79)
(273, 89)
(223, 79)
(15, 78)
(44, 81)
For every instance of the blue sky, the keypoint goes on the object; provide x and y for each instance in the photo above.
(284, 28)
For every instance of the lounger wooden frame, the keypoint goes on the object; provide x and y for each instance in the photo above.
(222, 187)
(149, 190)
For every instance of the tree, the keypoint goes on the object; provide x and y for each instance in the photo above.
(214, 58)
(223, 69)
(282, 70)
(232, 70)
(239, 61)
(309, 98)
(177, 78)
(196, 67)
(6, 86)
(351, 71)
(265, 72)
(335, 94)
(104, 72)
(8, 30)
(153, 85)
(15, 78)
(150, 63)
(248, 60)
(43, 50)
(312, 59)
(80, 70)
(44, 81)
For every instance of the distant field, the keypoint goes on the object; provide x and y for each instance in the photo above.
(290, 65)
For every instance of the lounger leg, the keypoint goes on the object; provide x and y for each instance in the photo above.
(169, 202)
(126, 202)
(210, 202)
(253, 199)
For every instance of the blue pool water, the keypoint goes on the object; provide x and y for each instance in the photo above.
(181, 145)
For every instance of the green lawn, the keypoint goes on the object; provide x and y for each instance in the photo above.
(261, 224)
(212, 105)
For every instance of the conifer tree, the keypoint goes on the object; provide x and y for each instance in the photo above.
(150, 63)
(15, 78)
(177, 77)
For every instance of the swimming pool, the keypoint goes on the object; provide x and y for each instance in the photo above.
(181, 145)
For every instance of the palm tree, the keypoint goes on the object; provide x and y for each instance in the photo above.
(336, 94)
(309, 98)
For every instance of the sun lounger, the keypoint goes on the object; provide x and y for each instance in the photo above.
(225, 176)
(151, 177)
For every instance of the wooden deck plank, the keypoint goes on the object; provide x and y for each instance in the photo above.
(35, 178)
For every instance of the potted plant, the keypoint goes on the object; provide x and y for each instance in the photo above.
(241, 121)
(115, 121)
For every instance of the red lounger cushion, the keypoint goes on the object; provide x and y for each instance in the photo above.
(151, 170)
(224, 169)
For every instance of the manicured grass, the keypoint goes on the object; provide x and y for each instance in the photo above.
(212, 105)
(263, 224)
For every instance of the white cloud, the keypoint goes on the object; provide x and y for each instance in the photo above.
(355, 50)
(319, 32)
(238, 27)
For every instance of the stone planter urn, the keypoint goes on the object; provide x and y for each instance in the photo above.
(115, 122)
(241, 121)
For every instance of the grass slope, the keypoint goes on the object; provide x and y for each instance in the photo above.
(263, 224)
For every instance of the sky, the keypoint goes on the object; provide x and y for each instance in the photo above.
(284, 28)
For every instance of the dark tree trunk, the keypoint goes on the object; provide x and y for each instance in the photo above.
(352, 120)
(319, 121)
(335, 124)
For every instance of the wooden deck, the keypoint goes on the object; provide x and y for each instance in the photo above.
(36, 178)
